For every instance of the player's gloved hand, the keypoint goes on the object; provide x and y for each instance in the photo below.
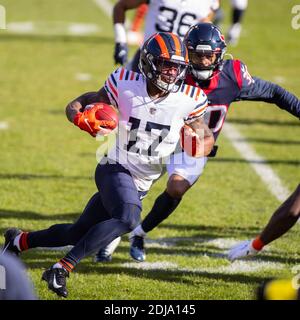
(243, 249)
(88, 122)
(121, 53)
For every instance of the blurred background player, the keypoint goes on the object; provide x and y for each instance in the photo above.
(14, 282)
(135, 35)
(174, 16)
(237, 13)
(283, 219)
(223, 81)
(238, 9)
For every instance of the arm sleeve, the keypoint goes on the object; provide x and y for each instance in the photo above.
(111, 86)
(261, 90)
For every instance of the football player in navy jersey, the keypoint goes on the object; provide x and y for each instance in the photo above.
(223, 81)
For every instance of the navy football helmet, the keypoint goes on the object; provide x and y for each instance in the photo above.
(164, 51)
(205, 42)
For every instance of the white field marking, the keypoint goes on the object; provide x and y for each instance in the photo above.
(20, 27)
(65, 248)
(233, 268)
(258, 163)
(163, 265)
(83, 28)
(280, 79)
(105, 6)
(53, 28)
(83, 76)
(222, 243)
(3, 125)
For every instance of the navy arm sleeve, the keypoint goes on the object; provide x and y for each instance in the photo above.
(261, 90)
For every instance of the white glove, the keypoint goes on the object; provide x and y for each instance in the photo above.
(241, 250)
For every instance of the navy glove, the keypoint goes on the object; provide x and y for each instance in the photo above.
(121, 53)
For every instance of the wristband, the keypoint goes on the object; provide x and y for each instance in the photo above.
(120, 33)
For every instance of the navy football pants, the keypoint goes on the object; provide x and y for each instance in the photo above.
(111, 212)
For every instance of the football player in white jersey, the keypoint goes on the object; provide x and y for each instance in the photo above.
(174, 16)
(153, 107)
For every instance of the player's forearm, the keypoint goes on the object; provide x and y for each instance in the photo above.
(119, 12)
(122, 6)
(205, 135)
(269, 92)
(79, 103)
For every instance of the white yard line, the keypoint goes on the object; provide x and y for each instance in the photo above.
(53, 28)
(83, 76)
(232, 268)
(105, 6)
(258, 163)
(3, 125)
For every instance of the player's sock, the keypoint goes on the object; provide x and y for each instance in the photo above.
(138, 231)
(164, 205)
(68, 263)
(237, 16)
(21, 242)
(257, 244)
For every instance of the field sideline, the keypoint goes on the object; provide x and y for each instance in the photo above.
(47, 165)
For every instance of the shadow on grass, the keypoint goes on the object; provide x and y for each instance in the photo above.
(266, 122)
(43, 260)
(25, 176)
(271, 141)
(30, 215)
(274, 162)
(206, 231)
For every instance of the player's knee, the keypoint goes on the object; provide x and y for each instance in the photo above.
(129, 214)
(177, 186)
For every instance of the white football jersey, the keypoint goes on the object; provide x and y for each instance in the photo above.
(148, 130)
(176, 15)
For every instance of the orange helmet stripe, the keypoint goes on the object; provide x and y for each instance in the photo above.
(177, 44)
(163, 47)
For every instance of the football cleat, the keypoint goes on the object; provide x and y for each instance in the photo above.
(56, 279)
(234, 34)
(242, 250)
(105, 254)
(9, 237)
(137, 250)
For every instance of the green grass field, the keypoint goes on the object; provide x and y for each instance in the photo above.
(47, 165)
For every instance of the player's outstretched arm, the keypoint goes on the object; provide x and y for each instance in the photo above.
(120, 8)
(261, 90)
(206, 139)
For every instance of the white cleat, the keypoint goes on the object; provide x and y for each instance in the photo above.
(242, 250)
(105, 254)
(234, 34)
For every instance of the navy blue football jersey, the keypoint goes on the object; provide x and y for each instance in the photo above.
(234, 83)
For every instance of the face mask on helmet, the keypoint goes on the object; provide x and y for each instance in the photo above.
(165, 74)
(168, 74)
(204, 62)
